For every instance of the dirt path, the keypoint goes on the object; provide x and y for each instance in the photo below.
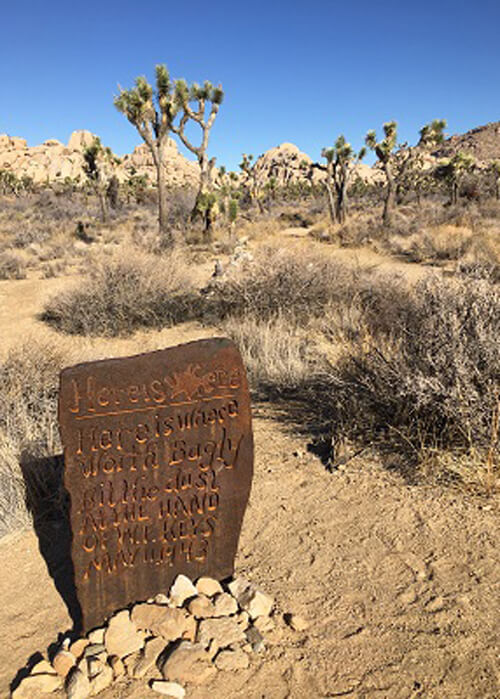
(400, 585)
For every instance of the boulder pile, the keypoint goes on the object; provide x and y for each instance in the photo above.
(52, 161)
(171, 641)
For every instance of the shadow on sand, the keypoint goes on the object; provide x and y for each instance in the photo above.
(48, 502)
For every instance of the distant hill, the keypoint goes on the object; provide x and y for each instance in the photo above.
(482, 142)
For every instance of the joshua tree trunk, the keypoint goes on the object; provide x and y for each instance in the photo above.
(342, 201)
(103, 204)
(389, 195)
(331, 199)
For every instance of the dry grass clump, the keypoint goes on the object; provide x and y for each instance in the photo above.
(29, 473)
(128, 290)
(278, 355)
(438, 244)
(12, 265)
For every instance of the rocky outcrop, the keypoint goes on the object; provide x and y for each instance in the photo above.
(286, 163)
(52, 161)
(483, 143)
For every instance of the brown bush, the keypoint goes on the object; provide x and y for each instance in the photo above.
(130, 289)
(12, 266)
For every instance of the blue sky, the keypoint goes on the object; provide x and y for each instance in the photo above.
(291, 71)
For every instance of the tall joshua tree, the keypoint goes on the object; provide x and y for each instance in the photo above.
(409, 161)
(247, 166)
(384, 151)
(340, 161)
(199, 104)
(153, 111)
(99, 165)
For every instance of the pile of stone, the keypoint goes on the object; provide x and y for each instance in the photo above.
(178, 639)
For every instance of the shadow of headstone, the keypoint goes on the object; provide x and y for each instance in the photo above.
(48, 502)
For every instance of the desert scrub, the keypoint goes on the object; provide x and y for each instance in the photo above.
(29, 438)
(430, 380)
(12, 266)
(128, 290)
(284, 282)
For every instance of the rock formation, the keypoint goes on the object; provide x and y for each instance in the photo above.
(482, 142)
(53, 161)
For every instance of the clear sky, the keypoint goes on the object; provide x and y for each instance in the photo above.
(291, 71)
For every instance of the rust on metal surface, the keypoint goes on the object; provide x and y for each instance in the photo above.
(158, 465)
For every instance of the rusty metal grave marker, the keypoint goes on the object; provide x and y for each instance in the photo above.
(158, 465)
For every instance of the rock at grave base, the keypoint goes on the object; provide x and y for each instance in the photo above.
(169, 689)
(254, 637)
(241, 589)
(232, 660)
(161, 598)
(209, 587)
(36, 685)
(121, 637)
(145, 616)
(77, 685)
(43, 667)
(172, 624)
(181, 590)
(97, 635)
(201, 607)
(264, 624)
(63, 662)
(224, 631)
(117, 666)
(243, 620)
(78, 646)
(147, 657)
(189, 662)
(297, 623)
(225, 605)
(259, 604)
(101, 681)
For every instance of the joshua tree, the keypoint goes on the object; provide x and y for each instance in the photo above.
(453, 172)
(153, 111)
(494, 168)
(99, 164)
(340, 161)
(409, 161)
(201, 105)
(248, 168)
(384, 151)
(432, 134)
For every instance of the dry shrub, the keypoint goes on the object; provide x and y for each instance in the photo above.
(12, 266)
(29, 473)
(277, 281)
(433, 381)
(130, 289)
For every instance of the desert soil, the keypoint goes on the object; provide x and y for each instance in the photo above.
(400, 584)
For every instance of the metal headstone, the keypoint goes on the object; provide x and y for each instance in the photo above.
(158, 465)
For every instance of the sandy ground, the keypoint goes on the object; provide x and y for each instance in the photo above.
(400, 584)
